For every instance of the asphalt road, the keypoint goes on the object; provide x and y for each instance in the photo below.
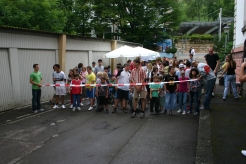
(62, 136)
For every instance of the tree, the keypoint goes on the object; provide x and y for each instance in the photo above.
(139, 21)
(33, 14)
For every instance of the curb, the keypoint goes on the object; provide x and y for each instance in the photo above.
(204, 154)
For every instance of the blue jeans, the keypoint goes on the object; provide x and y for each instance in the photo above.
(194, 98)
(170, 100)
(208, 95)
(230, 79)
(182, 100)
(76, 100)
(36, 95)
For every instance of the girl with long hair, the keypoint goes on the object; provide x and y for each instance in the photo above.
(230, 77)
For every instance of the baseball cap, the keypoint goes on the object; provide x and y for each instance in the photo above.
(181, 66)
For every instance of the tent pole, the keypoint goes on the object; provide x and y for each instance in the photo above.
(112, 62)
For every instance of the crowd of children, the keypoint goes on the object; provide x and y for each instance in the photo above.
(169, 86)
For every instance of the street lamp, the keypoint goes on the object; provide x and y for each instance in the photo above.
(226, 31)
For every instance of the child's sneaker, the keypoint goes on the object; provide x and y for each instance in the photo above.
(90, 108)
(133, 115)
(74, 109)
(79, 108)
(189, 112)
(81, 104)
(142, 115)
(179, 111)
(55, 107)
(71, 106)
(196, 113)
(63, 106)
(183, 113)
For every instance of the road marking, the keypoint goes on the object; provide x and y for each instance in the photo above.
(23, 116)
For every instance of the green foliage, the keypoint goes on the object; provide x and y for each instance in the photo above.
(171, 50)
(206, 10)
(33, 14)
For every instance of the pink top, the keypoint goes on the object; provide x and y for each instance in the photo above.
(115, 72)
(183, 84)
(83, 74)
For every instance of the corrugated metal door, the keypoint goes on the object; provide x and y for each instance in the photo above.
(46, 60)
(73, 58)
(99, 55)
(6, 89)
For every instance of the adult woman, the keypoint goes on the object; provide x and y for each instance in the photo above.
(230, 77)
(83, 74)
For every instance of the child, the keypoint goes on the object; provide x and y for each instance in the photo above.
(171, 89)
(112, 88)
(194, 90)
(102, 94)
(99, 76)
(183, 92)
(162, 96)
(69, 80)
(77, 91)
(154, 95)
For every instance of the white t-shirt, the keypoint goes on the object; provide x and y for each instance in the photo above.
(59, 76)
(193, 52)
(187, 72)
(124, 78)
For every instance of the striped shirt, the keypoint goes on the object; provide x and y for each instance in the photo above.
(138, 76)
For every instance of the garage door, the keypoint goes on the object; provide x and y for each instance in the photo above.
(73, 58)
(6, 90)
(46, 60)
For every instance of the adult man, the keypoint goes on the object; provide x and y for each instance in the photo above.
(99, 67)
(59, 77)
(208, 75)
(213, 61)
(93, 66)
(123, 77)
(90, 90)
(138, 75)
(192, 51)
(36, 81)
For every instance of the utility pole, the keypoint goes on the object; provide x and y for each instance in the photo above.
(220, 17)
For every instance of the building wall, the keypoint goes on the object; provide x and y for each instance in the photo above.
(20, 49)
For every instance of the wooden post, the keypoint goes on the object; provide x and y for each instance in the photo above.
(112, 62)
(62, 51)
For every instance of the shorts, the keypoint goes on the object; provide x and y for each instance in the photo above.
(90, 93)
(141, 94)
(122, 94)
(102, 100)
(61, 91)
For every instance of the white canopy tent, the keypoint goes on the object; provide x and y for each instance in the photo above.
(126, 51)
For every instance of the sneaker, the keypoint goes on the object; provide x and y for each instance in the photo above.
(35, 111)
(81, 104)
(183, 113)
(142, 115)
(63, 106)
(71, 106)
(189, 112)
(114, 111)
(74, 109)
(196, 113)
(79, 108)
(201, 107)
(179, 111)
(41, 110)
(94, 105)
(88, 103)
(107, 111)
(56, 106)
(213, 94)
(133, 115)
(244, 152)
(90, 108)
(170, 113)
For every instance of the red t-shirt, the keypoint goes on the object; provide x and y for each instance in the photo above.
(76, 89)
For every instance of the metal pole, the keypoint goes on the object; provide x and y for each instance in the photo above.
(220, 17)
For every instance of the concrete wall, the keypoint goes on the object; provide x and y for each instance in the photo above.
(20, 49)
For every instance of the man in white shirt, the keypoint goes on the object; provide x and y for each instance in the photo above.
(59, 77)
(123, 77)
(193, 51)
